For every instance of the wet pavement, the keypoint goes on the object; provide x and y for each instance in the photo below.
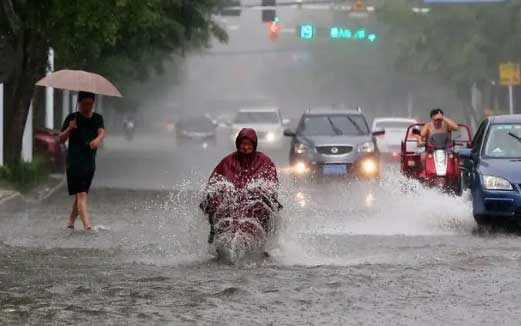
(354, 254)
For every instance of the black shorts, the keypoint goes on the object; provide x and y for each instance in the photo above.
(79, 181)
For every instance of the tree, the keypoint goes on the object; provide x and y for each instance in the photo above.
(462, 45)
(122, 39)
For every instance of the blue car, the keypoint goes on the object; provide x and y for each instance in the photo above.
(492, 170)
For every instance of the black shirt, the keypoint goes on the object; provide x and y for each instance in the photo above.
(79, 154)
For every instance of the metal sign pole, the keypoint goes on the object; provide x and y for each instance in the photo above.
(49, 95)
(511, 98)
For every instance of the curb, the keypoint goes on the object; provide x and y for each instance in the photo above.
(9, 198)
(18, 197)
(49, 194)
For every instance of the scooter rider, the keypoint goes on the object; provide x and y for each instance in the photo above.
(240, 168)
(437, 133)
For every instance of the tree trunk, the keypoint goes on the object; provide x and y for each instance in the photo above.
(30, 66)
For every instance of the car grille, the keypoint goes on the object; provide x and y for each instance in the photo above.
(334, 150)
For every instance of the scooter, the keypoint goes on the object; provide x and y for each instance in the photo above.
(440, 167)
(243, 222)
(441, 170)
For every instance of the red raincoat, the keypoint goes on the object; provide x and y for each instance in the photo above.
(241, 169)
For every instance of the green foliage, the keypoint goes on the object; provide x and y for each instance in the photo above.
(24, 176)
(462, 44)
(122, 39)
(126, 39)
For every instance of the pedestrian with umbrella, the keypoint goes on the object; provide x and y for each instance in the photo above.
(85, 131)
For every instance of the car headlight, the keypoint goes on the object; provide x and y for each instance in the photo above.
(369, 167)
(495, 183)
(366, 147)
(300, 148)
(300, 168)
(270, 137)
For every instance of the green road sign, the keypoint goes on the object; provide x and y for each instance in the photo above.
(310, 32)
(307, 32)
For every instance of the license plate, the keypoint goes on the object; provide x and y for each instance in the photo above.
(336, 169)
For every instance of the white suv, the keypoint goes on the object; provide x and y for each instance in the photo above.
(266, 121)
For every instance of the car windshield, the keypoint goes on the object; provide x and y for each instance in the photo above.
(393, 124)
(504, 141)
(333, 125)
(197, 124)
(257, 118)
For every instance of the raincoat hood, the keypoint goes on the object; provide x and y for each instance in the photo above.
(247, 133)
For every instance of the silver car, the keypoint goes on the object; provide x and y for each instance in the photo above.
(334, 143)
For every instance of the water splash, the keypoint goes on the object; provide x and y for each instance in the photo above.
(317, 216)
(169, 228)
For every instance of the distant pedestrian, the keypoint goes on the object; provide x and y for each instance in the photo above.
(85, 131)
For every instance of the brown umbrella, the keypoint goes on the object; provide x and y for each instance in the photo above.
(77, 80)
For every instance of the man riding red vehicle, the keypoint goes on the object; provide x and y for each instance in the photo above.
(244, 176)
(438, 165)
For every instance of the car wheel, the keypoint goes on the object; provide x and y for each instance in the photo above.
(483, 220)
(458, 187)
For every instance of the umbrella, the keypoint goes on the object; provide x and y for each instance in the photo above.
(77, 80)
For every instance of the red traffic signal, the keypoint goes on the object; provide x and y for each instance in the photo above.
(274, 29)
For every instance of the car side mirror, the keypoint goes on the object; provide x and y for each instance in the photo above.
(465, 153)
(289, 133)
(378, 132)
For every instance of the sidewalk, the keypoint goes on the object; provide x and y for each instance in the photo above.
(36, 195)
(7, 195)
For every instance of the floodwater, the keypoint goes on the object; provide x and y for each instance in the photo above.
(345, 255)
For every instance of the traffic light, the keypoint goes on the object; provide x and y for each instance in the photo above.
(274, 29)
(269, 15)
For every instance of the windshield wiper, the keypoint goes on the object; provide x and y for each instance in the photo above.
(515, 136)
(356, 126)
(337, 130)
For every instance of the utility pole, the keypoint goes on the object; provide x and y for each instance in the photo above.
(49, 95)
(66, 104)
(27, 140)
(74, 103)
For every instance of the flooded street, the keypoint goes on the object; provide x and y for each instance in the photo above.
(345, 255)
(304, 131)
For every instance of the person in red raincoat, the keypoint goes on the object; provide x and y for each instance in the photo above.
(241, 168)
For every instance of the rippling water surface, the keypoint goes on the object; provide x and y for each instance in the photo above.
(345, 255)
